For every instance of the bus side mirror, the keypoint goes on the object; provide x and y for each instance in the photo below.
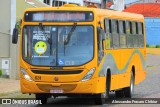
(15, 36)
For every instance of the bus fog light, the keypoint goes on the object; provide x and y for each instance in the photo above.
(25, 75)
(89, 75)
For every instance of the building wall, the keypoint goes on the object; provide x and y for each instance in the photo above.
(4, 43)
(41, 0)
(4, 28)
(4, 31)
(21, 5)
(10, 10)
(153, 31)
(7, 22)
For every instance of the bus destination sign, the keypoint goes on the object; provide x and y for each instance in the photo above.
(58, 16)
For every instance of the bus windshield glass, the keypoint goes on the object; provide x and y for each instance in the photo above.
(37, 51)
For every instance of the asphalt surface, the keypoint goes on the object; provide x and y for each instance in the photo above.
(149, 88)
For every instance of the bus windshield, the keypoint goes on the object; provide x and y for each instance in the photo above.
(37, 51)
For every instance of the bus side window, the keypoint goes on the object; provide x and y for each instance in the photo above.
(107, 28)
(135, 36)
(134, 28)
(115, 33)
(129, 34)
(140, 34)
(123, 42)
(127, 27)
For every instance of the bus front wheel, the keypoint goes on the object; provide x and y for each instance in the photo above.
(100, 98)
(119, 93)
(42, 97)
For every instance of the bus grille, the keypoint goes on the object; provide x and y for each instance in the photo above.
(56, 72)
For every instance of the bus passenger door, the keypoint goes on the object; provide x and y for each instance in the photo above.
(101, 38)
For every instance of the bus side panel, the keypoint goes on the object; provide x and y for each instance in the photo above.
(121, 62)
(113, 63)
(140, 73)
(132, 58)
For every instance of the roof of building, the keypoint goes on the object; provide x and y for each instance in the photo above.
(147, 9)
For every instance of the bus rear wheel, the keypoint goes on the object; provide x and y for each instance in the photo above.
(119, 93)
(128, 91)
(42, 97)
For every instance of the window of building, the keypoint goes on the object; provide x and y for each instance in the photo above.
(47, 2)
(60, 3)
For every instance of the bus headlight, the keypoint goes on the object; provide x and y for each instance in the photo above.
(25, 75)
(89, 75)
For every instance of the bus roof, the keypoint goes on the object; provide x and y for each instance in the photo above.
(119, 15)
(99, 12)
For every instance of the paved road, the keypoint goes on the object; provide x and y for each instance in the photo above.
(149, 88)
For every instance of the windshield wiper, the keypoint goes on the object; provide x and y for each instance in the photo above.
(66, 41)
(42, 29)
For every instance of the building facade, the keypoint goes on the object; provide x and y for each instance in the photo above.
(8, 53)
(11, 11)
(152, 31)
(113, 4)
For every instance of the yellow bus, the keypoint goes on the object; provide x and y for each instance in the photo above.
(75, 50)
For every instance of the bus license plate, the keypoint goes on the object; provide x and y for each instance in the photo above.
(56, 91)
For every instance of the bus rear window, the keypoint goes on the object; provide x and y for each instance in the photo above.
(58, 16)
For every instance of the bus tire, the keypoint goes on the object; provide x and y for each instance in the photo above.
(100, 98)
(128, 91)
(119, 93)
(108, 82)
(42, 97)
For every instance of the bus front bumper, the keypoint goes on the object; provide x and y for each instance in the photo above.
(93, 86)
